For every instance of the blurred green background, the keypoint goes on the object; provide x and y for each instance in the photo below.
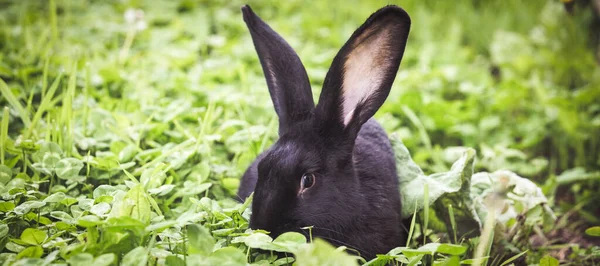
(518, 81)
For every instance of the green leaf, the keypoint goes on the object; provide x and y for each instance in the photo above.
(415, 260)
(283, 261)
(49, 161)
(231, 184)
(100, 209)
(110, 73)
(136, 257)
(127, 153)
(593, 231)
(26, 207)
(81, 259)
(447, 188)
(31, 252)
(200, 239)
(125, 223)
(135, 204)
(104, 190)
(51, 257)
(223, 232)
(46, 148)
(69, 201)
(60, 215)
(3, 230)
(451, 260)
(33, 236)
(427, 249)
(192, 188)
(162, 190)
(86, 204)
(56, 197)
(321, 252)
(68, 168)
(451, 249)
(89, 221)
(17, 188)
(203, 170)
(153, 177)
(577, 174)
(5, 174)
(173, 260)
(104, 260)
(528, 199)
(6, 206)
(548, 261)
(104, 198)
(14, 246)
(412, 177)
(227, 256)
(160, 226)
(256, 240)
(289, 242)
(64, 226)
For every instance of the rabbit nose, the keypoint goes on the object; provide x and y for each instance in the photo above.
(262, 219)
(269, 217)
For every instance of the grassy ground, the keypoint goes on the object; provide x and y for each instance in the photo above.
(123, 140)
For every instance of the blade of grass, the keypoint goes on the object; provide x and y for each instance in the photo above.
(452, 221)
(14, 102)
(506, 262)
(412, 226)
(415, 260)
(67, 112)
(53, 19)
(45, 76)
(204, 123)
(3, 133)
(44, 105)
(417, 122)
(86, 97)
(425, 212)
(29, 106)
(42, 44)
(412, 116)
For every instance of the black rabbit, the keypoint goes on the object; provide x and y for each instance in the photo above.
(333, 166)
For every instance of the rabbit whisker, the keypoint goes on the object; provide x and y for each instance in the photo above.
(334, 239)
(330, 230)
(344, 244)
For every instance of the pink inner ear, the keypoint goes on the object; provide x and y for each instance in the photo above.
(364, 70)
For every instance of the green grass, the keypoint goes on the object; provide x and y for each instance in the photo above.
(125, 145)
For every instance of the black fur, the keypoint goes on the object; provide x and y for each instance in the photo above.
(355, 200)
(286, 77)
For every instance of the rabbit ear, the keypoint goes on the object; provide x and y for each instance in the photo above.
(286, 77)
(363, 71)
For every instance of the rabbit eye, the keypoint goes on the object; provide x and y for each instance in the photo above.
(308, 180)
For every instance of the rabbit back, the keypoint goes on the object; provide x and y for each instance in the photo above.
(375, 167)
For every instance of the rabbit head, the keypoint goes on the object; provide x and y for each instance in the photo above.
(310, 177)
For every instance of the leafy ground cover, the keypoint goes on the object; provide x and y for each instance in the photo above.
(126, 126)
